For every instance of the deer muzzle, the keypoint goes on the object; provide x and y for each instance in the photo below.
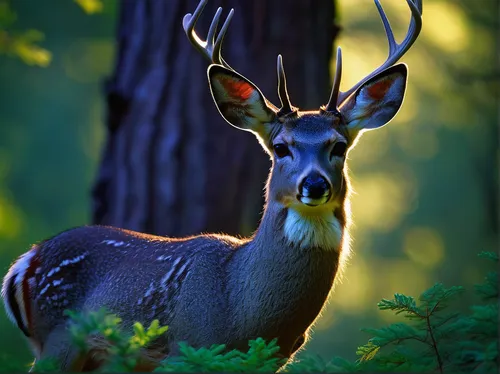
(314, 190)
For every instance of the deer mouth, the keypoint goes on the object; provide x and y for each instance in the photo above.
(310, 201)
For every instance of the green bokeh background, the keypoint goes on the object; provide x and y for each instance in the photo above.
(426, 186)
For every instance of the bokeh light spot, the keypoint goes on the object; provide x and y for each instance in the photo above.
(381, 200)
(424, 246)
(445, 26)
(353, 293)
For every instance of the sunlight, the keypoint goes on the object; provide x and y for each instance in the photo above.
(396, 270)
(90, 6)
(92, 136)
(326, 320)
(419, 143)
(445, 26)
(381, 200)
(400, 276)
(10, 217)
(424, 246)
(360, 56)
(365, 153)
(355, 291)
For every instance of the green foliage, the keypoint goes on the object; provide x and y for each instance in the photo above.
(433, 339)
(21, 44)
(260, 357)
(489, 289)
(90, 6)
(24, 44)
(316, 364)
(447, 341)
(123, 350)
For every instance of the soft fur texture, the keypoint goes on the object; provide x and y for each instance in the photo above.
(313, 231)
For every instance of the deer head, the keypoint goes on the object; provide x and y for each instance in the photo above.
(308, 148)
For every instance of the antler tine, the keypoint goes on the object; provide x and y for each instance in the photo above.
(396, 50)
(208, 48)
(220, 38)
(286, 105)
(332, 103)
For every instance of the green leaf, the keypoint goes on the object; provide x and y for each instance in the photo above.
(367, 351)
(7, 15)
(90, 6)
(401, 304)
(489, 255)
(438, 297)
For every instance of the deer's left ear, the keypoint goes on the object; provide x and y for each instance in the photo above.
(240, 102)
(377, 101)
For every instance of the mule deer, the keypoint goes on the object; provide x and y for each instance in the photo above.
(214, 288)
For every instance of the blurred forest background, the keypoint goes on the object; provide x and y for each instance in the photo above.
(426, 186)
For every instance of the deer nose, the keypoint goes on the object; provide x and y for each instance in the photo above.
(314, 186)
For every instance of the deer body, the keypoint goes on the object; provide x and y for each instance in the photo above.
(208, 289)
(217, 289)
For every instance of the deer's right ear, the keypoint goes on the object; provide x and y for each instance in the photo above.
(240, 102)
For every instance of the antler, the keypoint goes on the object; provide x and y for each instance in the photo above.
(396, 51)
(286, 105)
(212, 50)
(208, 48)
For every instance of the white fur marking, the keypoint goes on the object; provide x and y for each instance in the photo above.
(166, 279)
(176, 262)
(44, 289)
(167, 276)
(17, 272)
(147, 294)
(163, 258)
(53, 271)
(323, 231)
(150, 290)
(73, 260)
(181, 270)
(115, 243)
(183, 267)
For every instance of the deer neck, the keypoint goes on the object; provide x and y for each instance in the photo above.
(289, 266)
(318, 230)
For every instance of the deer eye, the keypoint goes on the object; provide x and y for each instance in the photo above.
(339, 149)
(281, 150)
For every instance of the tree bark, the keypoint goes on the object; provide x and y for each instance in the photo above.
(171, 165)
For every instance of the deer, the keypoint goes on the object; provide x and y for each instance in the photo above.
(214, 288)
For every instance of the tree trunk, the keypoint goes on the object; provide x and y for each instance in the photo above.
(171, 164)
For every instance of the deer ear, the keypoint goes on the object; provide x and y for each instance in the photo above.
(240, 102)
(377, 101)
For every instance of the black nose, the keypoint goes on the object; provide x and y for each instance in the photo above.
(314, 186)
